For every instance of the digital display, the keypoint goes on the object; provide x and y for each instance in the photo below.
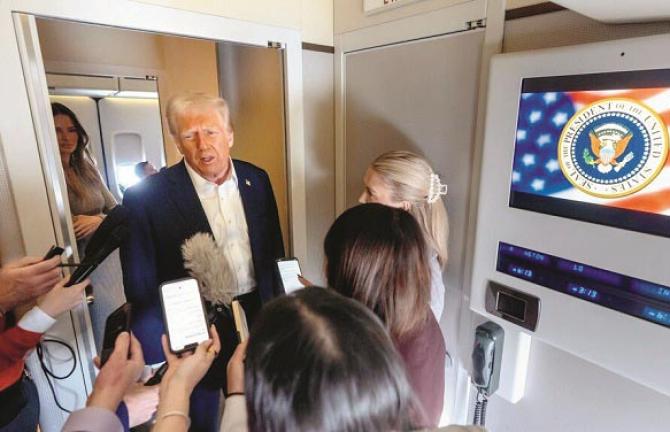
(595, 148)
(511, 306)
(635, 297)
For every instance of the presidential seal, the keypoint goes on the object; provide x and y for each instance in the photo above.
(613, 147)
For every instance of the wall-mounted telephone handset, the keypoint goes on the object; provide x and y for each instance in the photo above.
(486, 362)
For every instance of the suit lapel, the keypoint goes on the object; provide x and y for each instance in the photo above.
(185, 198)
(245, 186)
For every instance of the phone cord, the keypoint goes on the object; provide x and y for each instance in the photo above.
(48, 373)
(480, 408)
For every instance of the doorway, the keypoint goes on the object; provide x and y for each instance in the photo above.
(43, 211)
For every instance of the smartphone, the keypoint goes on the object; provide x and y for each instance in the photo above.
(289, 269)
(157, 377)
(117, 322)
(240, 318)
(183, 314)
(53, 251)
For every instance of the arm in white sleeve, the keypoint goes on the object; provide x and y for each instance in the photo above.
(234, 415)
(36, 321)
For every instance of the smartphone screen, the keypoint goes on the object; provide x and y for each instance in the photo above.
(289, 269)
(117, 322)
(184, 314)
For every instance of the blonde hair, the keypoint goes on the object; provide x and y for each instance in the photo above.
(410, 178)
(181, 103)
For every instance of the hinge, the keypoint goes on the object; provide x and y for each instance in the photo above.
(272, 44)
(476, 24)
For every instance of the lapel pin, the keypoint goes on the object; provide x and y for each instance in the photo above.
(247, 182)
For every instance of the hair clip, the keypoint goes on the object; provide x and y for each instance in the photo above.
(436, 188)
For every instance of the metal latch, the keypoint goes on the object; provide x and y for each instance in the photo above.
(476, 24)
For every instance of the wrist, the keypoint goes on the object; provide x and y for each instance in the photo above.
(174, 397)
(106, 399)
(8, 299)
(178, 385)
(235, 383)
(49, 309)
(235, 389)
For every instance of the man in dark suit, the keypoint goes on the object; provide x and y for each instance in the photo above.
(207, 192)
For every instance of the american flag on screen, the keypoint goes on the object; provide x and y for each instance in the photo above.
(543, 116)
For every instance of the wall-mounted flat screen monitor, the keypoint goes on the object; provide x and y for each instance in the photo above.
(594, 147)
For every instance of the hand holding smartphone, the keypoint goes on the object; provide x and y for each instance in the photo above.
(289, 270)
(117, 323)
(183, 314)
(53, 251)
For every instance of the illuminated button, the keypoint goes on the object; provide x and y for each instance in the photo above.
(583, 291)
(662, 317)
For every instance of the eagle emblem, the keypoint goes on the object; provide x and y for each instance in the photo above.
(613, 147)
(608, 144)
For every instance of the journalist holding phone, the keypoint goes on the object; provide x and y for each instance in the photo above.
(32, 296)
(207, 192)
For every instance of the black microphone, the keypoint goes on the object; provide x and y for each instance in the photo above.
(117, 216)
(108, 237)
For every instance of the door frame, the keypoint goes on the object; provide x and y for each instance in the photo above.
(26, 135)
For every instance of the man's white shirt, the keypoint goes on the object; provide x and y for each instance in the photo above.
(226, 217)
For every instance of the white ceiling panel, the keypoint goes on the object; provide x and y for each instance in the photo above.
(620, 11)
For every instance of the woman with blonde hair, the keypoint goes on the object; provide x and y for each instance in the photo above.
(402, 179)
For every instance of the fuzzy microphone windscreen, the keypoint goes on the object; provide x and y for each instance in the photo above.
(206, 262)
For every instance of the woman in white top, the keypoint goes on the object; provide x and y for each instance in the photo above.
(405, 180)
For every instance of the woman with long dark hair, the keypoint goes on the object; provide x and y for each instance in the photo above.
(315, 361)
(89, 198)
(377, 255)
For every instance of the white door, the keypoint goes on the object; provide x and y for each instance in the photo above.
(421, 96)
(131, 133)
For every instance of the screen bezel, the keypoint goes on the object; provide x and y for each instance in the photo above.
(590, 329)
(505, 298)
(189, 347)
(278, 262)
(615, 217)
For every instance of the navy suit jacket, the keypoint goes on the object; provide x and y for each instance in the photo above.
(165, 211)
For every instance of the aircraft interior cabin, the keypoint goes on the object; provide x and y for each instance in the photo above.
(335, 215)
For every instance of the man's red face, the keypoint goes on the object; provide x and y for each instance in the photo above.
(205, 141)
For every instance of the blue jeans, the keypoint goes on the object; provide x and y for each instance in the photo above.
(29, 416)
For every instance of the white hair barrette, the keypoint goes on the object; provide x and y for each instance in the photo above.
(436, 189)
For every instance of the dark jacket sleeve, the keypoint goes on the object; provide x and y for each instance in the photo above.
(273, 221)
(274, 228)
(138, 259)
